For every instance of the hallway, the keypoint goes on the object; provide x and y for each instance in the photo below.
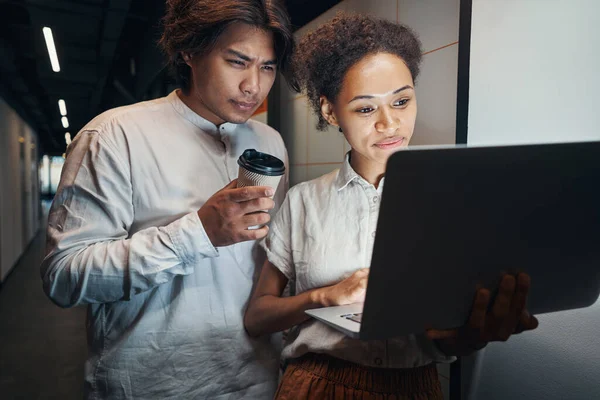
(42, 347)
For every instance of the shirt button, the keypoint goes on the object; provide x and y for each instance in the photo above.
(373, 234)
(375, 199)
(378, 361)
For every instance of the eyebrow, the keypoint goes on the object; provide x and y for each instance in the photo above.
(246, 58)
(366, 96)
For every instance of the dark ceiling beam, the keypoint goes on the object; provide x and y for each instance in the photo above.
(149, 66)
(7, 58)
(70, 32)
(80, 53)
(129, 98)
(150, 61)
(68, 8)
(66, 87)
(70, 52)
(73, 74)
(111, 30)
(18, 85)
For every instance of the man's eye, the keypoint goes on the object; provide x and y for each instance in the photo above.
(364, 110)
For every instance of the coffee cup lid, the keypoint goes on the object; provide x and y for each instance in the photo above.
(261, 163)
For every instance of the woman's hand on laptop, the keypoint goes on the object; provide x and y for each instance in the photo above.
(506, 317)
(349, 291)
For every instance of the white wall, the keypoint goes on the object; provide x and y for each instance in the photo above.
(19, 197)
(534, 73)
(314, 153)
(535, 77)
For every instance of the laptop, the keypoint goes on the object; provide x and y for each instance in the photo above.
(470, 214)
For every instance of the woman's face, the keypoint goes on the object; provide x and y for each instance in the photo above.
(376, 107)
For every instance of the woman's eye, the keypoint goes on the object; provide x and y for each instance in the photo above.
(268, 68)
(400, 103)
(364, 110)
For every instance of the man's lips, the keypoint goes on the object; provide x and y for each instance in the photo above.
(244, 105)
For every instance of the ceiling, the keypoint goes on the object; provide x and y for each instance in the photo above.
(107, 54)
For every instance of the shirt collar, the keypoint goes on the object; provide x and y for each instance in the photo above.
(347, 174)
(380, 187)
(202, 123)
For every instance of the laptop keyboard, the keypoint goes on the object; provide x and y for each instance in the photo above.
(353, 317)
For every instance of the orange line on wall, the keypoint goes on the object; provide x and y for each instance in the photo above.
(440, 48)
(262, 108)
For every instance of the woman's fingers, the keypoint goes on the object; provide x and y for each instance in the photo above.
(436, 334)
(501, 308)
(527, 322)
(478, 315)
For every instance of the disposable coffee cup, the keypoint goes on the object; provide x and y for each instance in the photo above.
(259, 169)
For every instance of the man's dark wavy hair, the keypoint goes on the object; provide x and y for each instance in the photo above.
(194, 26)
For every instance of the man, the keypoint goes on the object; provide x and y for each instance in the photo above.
(149, 229)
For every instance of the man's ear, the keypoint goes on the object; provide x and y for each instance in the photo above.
(327, 111)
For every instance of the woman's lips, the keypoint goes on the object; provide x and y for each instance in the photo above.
(390, 143)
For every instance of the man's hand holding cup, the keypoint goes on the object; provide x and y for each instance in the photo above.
(239, 211)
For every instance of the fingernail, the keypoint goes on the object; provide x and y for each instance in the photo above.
(269, 192)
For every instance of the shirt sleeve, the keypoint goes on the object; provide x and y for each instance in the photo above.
(278, 242)
(90, 255)
(430, 348)
(284, 184)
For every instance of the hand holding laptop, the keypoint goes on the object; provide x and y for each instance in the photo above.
(506, 317)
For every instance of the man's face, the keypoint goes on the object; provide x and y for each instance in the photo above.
(231, 81)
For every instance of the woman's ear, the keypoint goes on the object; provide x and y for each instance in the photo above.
(327, 111)
(187, 58)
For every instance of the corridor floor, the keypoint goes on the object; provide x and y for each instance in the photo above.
(42, 347)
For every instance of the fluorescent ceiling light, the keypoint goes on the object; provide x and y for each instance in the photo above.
(62, 106)
(51, 49)
(68, 138)
(65, 122)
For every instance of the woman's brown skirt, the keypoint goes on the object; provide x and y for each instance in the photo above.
(319, 376)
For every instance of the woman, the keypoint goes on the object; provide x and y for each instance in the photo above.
(359, 74)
